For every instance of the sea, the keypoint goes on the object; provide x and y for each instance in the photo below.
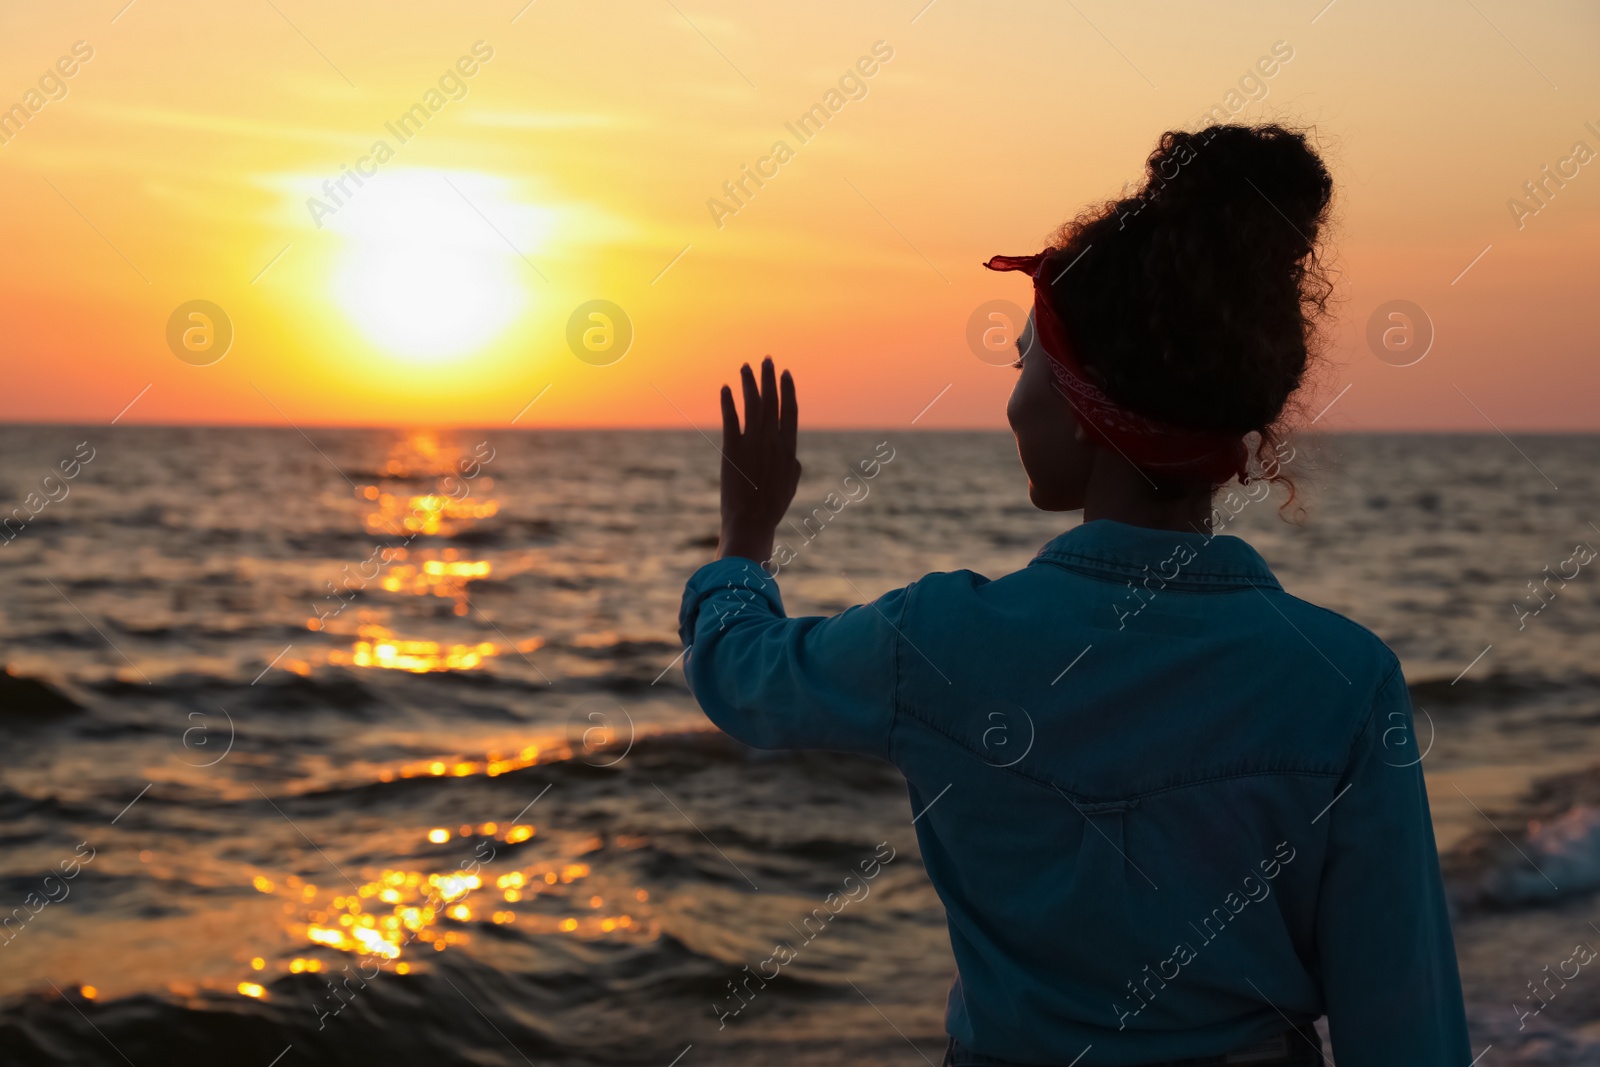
(374, 746)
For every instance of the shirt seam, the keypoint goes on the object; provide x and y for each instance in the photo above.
(1202, 581)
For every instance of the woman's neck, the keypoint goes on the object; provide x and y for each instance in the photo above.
(1123, 493)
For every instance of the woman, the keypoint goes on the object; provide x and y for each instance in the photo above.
(1219, 831)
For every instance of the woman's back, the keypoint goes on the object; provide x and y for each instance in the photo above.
(1165, 820)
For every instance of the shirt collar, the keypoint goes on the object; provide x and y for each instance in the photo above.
(1117, 551)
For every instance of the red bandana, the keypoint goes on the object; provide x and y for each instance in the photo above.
(1149, 444)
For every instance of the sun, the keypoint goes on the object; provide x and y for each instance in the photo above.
(434, 264)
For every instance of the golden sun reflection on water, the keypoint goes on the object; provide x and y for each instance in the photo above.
(401, 911)
(444, 576)
(405, 910)
(380, 648)
(494, 762)
(433, 514)
(398, 515)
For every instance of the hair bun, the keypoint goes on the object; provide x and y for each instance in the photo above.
(1198, 297)
(1243, 174)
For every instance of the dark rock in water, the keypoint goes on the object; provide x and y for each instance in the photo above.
(24, 699)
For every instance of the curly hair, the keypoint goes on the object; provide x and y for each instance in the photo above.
(1196, 300)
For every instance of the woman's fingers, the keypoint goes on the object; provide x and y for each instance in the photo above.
(770, 411)
(788, 417)
(752, 401)
(769, 398)
(730, 421)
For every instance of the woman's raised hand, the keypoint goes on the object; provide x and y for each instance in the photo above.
(759, 468)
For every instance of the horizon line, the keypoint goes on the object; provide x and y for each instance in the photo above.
(1422, 431)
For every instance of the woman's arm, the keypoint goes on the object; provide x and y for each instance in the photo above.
(775, 682)
(768, 680)
(1383, 925)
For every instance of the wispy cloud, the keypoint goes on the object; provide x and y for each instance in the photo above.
(531, 120)
(124, 115)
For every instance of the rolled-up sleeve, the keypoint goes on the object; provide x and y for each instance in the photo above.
(1383, 926)
(775, 682)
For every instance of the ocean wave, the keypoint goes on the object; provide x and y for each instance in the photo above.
(280, 690)
(1497, 689)
(27, 701)
(1546, 849)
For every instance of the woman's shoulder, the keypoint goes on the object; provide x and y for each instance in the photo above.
(1363, 651)
(1334, 620)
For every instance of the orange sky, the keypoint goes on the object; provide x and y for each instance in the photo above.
(576, 161)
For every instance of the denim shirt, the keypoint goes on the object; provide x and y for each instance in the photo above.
(1169, 808)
